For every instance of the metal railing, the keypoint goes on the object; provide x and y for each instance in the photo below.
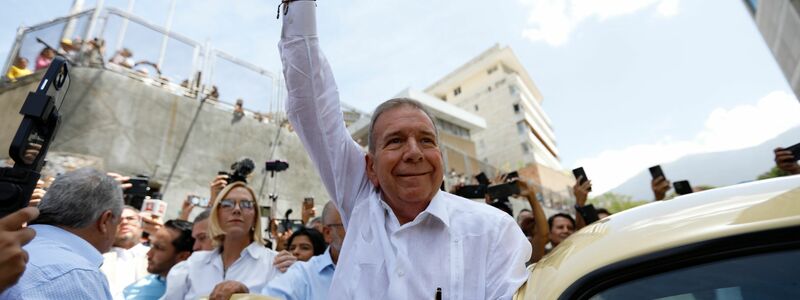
(159, 57)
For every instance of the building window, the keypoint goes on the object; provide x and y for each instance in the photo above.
(522, 128)
(491, 70)
(525, 148)
(512, 89)
(516, 108)
(457, 91)
(476, 107)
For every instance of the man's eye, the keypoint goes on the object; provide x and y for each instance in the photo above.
(394, 141)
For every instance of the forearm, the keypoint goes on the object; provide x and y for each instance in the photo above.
(314, 110)
(540, 231)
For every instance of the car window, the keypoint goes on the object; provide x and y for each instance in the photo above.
(774, 275)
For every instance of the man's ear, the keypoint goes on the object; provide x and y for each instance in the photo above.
(371, 174)
(105, 222)
(326, 234)
(183, 255)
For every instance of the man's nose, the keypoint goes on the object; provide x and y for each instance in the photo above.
(413, 151)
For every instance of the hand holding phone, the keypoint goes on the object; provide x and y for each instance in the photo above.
(655, 172)
(683, 187)
(580, 175)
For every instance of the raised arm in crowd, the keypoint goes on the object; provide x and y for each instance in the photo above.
(405, 238)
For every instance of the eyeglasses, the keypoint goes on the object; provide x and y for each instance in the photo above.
(230, 203)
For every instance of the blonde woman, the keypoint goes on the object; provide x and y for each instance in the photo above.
(238, 255)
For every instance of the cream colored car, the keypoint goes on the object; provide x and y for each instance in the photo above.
(737, 242)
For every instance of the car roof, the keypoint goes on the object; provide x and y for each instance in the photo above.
(743, 208)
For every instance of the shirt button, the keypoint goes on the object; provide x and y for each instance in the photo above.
(400, 272)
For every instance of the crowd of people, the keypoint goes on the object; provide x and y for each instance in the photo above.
(389, 231)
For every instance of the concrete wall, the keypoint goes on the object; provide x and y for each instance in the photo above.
(138, 128)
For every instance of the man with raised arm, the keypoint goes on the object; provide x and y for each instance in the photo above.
(405, 238)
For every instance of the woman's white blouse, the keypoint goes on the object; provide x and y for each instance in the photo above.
(197, 276)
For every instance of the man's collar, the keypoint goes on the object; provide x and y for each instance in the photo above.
(323, 261)
(437, 208)
(71, 240)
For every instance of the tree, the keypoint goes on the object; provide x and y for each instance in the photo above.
(772, 173)
(615, 203)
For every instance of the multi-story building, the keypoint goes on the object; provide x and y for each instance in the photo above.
(779, 23)
(496, 86)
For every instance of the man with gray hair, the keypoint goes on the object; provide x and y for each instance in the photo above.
(78, 221)
(405, 238)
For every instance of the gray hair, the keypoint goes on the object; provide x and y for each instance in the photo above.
(202, 216)
(78, 198)
(390, 105)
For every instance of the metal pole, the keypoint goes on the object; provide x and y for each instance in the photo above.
(167, 29)
(124, 27)
(93, 22)
(14, 49)
(69, 29)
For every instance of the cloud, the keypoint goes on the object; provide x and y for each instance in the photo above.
(725, 129)
(553, 21)
(668, 8)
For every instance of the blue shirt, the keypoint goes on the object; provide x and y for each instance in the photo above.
(61, 265)
(304, 280)
(150, 287)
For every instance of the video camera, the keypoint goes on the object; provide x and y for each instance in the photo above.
(35, 133)
(140, 187)
(499, 192)
(240, 170)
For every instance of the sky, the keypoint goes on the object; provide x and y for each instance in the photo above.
(626, 83)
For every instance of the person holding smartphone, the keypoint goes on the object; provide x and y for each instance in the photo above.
(786, 160)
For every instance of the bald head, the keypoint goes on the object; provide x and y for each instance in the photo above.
(329, 214)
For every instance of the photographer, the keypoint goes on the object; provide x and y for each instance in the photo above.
(12, 237)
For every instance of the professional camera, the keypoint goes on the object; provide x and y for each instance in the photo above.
(240, 170)
(140, 186)
(35, 133)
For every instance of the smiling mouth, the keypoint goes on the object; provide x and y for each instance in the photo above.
(413, 175)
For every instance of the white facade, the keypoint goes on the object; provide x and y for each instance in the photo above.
(779, 23)
(495, 86)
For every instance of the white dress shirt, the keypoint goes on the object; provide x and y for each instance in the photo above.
(204, 270)
(469, 249)
(123, 267)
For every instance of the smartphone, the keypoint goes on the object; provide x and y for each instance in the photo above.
(266, 211)
(795, 149)
(682, 187)
(198, 201)
(578, 172)
(655, 172)
(477, 191)
(308, 202)
(504, 190)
